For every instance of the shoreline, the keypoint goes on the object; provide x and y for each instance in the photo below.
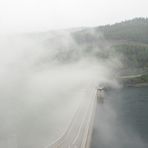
(137, 85)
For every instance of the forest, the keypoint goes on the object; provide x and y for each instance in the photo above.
(128, 39)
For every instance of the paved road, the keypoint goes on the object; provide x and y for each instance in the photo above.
(78, 134)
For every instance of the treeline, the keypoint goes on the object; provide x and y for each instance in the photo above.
(129, 39)
(132, 30)
(133, 55)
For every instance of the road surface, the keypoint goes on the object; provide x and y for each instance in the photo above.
(78, 134)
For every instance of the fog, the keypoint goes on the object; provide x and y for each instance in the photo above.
(44, 77)
(42, 15)
(112, 129)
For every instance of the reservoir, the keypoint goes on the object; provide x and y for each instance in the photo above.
(122, 121)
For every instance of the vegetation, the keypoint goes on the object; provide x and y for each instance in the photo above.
(128, 39)
(139, 80)
(133, 30)
(134, 55)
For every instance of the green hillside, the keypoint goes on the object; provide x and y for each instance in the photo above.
(132, 30)
(128, 39)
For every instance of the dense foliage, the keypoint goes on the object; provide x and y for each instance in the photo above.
(132, 30)
(129, 39)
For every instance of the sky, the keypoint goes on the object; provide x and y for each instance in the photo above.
(43, 15)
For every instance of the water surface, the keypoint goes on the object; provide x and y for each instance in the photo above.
(122, 121)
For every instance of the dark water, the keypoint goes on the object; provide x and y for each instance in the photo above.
(122, 121)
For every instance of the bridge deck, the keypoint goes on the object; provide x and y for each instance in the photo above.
(78, 134)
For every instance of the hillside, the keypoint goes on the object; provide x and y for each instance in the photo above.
(133, 30)
(128, 39)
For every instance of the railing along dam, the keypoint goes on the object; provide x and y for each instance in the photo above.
(78, 134)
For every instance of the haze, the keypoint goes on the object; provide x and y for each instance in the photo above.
(42, 15)
(46, 76)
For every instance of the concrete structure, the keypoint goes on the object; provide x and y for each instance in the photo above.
(78, 134)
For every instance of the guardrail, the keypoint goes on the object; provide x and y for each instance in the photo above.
(78, 133)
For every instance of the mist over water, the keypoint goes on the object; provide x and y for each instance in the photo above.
(43, 80)
(122, 120)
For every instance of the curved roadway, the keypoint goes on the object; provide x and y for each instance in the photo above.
(78, 134)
